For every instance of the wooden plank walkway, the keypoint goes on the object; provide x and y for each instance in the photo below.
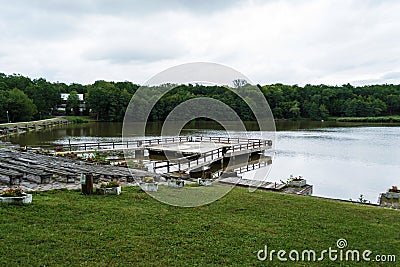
(16, 165)
(264, 185)
(19, 127)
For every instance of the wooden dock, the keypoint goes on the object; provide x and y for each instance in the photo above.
(162, 144)
(7, 129)
(201, 152)
(252, 183)
(270, 186)
(181, 153)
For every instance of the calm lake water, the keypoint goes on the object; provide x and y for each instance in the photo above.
(340, 161)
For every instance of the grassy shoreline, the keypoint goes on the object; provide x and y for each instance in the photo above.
(65, 228)
(381, 119)
(78, 119)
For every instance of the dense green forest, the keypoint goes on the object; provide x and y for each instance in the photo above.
(22, 98)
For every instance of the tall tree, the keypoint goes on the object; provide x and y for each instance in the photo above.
(73, 103)
(19, 106)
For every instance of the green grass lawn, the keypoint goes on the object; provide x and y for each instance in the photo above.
(68, 229)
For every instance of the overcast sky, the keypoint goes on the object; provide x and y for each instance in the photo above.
(292, 42)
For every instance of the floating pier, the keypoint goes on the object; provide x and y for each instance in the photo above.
(305, 190)
(202, 152)
(176, 154)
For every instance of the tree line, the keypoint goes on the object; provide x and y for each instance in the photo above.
(23, 99)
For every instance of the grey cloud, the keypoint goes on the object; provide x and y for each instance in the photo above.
(275, 40)
(48, 19)
(20, 22)
(135, 46)
(127, 55)
(391, 76)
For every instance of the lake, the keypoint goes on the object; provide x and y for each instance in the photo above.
(340, 161)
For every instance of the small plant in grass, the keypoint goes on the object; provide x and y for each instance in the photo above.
(140, 197)
(110, 184)
(13, 192)
(361, 199)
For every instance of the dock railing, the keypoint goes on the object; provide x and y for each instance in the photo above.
(188, 162)
(139, 144)
(113, 145)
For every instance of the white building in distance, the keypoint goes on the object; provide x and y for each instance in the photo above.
(64, 97)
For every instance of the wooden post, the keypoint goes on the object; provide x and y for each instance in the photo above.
(87, 184)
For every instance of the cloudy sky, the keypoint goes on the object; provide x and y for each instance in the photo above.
(292, 42)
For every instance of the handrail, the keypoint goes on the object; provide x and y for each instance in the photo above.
(240, 142)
